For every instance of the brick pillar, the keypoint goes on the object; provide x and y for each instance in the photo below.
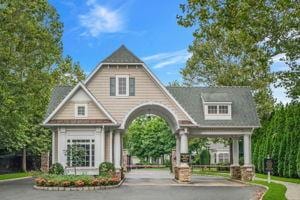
(45, 161)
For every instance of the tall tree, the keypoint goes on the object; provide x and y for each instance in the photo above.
(149, 137)
(234, 42)
(67, 72)
(30, 47)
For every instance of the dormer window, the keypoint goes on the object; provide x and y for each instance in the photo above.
(217, 110)
(212, 109)
(223, 109)
(80, 110)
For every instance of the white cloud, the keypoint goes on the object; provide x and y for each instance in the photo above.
(161, 60)
(100, 19)
(279, 57)
(280, 94)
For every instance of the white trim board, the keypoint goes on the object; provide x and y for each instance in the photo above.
(70, 95)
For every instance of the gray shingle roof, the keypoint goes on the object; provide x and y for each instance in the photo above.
(122, 55)
(58, 94)
(243, 106)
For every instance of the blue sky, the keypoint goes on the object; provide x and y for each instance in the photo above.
(95, 28)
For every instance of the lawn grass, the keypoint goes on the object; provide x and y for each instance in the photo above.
(14, 175)
(276, 191)
(211, 173)
(277, 178)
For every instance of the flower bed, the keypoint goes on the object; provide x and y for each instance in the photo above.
(82, 182)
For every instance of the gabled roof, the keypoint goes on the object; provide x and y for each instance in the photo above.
(58, 94)
(117, 59)
(122, 55)
(243, 106)
(63, 94)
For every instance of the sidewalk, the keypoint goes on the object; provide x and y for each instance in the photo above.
(293, 189)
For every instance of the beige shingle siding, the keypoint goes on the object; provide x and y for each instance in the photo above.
(68, 111)
(145, 90)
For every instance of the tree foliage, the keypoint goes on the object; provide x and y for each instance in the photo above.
(279, 137)
(149, 136)
(234, 42)
(30, 59)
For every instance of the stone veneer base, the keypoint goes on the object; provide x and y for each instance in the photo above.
(247, 173)
(235, 172)
(85, 188)
(183, 174)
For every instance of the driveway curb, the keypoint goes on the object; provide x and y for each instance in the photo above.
(15, 179)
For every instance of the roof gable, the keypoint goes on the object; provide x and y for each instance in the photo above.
(64, 97)
(122, 55)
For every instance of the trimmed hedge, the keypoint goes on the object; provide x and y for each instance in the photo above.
(279, 137)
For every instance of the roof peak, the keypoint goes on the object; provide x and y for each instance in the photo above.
(122, 55)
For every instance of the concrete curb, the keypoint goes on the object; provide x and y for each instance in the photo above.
(15, 179)
(85, 188)
(266, 187)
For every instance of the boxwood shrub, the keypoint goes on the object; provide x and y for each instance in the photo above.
(57, 169)
(106, 169)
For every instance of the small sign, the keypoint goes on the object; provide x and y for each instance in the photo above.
(268, 165)
(184, 157)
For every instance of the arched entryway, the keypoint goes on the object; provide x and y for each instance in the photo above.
(152, 108)
(142, 115)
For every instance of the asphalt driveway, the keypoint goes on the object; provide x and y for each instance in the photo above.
(22, 190)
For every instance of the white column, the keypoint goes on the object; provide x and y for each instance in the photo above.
(102, 145)
(235, 151)
(117, 149)
(97, 147)
(247, 149)
(53, 147)
(177, 150)
(184, 148)
(111, 145)
(62, 147)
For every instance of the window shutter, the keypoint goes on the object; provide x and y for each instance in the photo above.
(112, 86)
(131, 86)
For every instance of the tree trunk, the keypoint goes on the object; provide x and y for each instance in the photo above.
(24, 168)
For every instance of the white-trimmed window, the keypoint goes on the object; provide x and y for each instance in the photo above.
(88, 146)
(122, 86)
(217, 111)
(223, 109)
(212, 109)
(81, 110)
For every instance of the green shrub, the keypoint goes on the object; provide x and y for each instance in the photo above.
(57, 169)
(106, 168)
(52, 180)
